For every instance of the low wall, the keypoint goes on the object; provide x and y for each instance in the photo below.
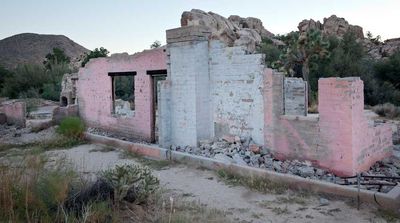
(15, 112)
(390, 200)
(61, 112)
(339, 139)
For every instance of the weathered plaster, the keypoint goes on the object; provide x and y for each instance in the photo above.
(95, 92)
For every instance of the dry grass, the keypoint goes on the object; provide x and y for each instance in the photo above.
(255, 183)
(387, 110)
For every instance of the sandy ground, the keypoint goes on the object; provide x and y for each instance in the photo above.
(239, 203)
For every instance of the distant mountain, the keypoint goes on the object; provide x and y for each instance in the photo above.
(33, 48)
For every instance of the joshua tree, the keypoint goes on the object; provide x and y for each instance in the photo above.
(303, 49)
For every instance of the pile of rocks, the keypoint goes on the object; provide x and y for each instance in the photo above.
(242, 151)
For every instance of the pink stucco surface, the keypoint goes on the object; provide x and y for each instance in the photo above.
(15, 112)
(340, 138)
(95, 92)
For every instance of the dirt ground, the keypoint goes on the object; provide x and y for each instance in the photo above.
(234, 203)
(238, 203)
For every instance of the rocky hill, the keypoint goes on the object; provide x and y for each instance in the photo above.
(32, 48)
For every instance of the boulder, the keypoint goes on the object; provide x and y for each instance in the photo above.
(234, 31)
(332, 25)
(306, 25)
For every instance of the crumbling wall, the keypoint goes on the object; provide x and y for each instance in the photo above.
(15, 112)
(68, 89)
(94, 91)
(214, 90)
(236, 91)
(340, 138)
(59, 113)
(296, 99)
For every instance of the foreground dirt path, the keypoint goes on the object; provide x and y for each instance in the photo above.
(240, 204)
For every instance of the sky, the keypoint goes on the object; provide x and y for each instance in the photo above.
(132, 25)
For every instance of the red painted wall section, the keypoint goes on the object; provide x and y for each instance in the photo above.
(340, 139)
(95, 92)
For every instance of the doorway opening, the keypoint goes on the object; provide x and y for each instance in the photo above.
(156, 77)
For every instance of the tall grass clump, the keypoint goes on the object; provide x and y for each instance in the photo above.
(71, 127)
(32, 193)
(387, 110)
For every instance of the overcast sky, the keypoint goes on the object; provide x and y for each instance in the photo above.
(132, 25)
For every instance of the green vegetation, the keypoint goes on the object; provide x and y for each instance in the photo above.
(58, 56)
(313, 56)
(72, 127)
(32, 192)
(4, 74)
(96, 53)
(131, 179)
(34, 80)
(155, 44)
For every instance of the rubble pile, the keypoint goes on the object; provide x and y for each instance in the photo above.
(241, 151)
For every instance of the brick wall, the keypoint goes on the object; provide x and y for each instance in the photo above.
(94, 90)
(236, 91)
(340, 138)
(213, 90)
(296, 100)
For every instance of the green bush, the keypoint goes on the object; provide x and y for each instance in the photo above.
(33, 193)
(96, 53)
(131, 182)
(71, 127)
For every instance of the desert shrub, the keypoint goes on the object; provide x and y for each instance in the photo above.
(132, 183)
(387, 110)
(71, 127)
(96, 53)
(32, 193)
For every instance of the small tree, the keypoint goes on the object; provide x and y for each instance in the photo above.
(56, 57)
(155, 44)
(102, 52)
(308, 47)
(4, 73)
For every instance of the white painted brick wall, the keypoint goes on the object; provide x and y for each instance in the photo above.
(189, 92)
(295, 96)
(236, 91)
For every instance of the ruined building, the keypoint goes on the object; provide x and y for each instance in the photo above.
(198, 88)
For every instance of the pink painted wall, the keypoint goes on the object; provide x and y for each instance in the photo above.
(15, 112)
(340, 139)
(95, 92)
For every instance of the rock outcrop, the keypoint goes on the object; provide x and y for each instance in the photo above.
(234, 31)
(332, 25)
(379, 50)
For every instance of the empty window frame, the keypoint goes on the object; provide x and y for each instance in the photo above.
(123, 96)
